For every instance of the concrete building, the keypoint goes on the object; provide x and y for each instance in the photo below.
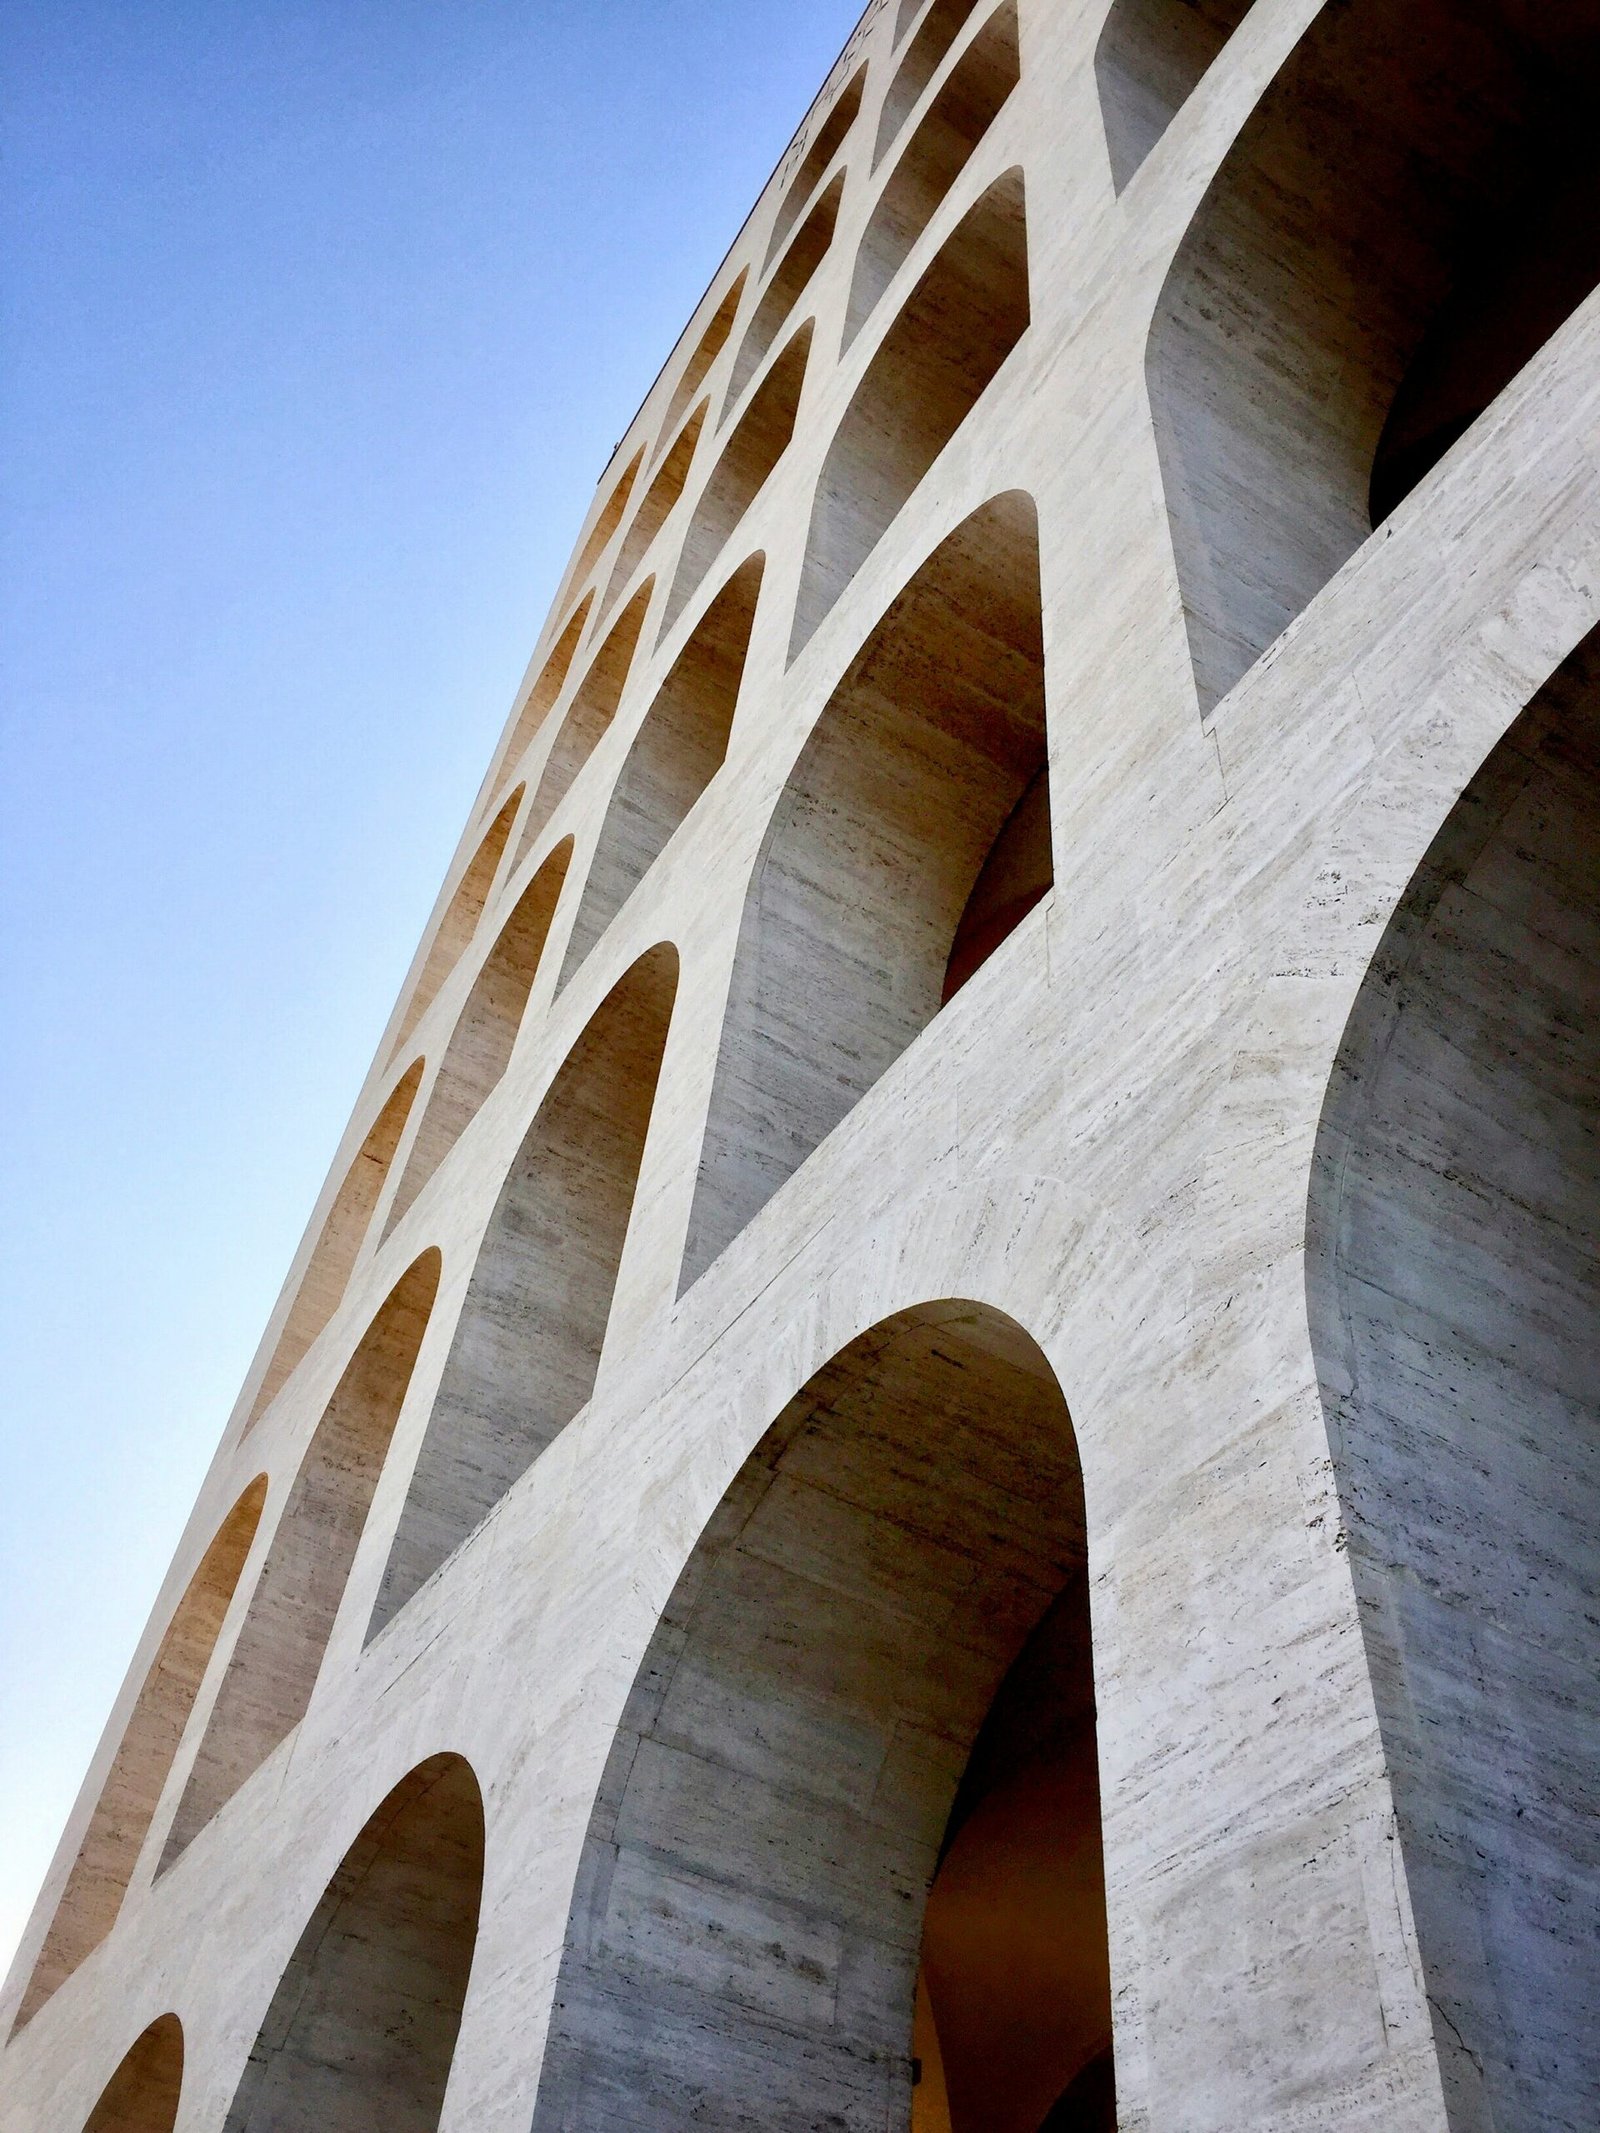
(932, 1460)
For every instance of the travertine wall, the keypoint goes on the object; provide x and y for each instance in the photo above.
(798, 1035)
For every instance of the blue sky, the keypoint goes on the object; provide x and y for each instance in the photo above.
(319, 323)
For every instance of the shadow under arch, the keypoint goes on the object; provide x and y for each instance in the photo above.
(142, 2095)
(845, 1864)
(1453, 1292)
(1407, 216)
(363, 2025)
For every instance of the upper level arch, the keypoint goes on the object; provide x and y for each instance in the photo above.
(1453, 1273)
(527, 1345)
(707, 349)
(143, 2094)
(606, 524)
(655, 505)
(589, 716)
(481, 1043)
(1150, 58)
(958, 325)
(791, 277)
(873, 898)
(461, 915)
(274, 1664)
(547, 687)
(850, 1818)
(111, 1844)
(818, 157)
(940, 27)
(339, 1241)
(1405, 218)
(362, 2028)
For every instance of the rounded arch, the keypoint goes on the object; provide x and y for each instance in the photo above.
(1406, 217)
(1453, 1276)
(849, 1830)
(363, 2025)
(461, 915)
(106, 1858)
(142, 2095)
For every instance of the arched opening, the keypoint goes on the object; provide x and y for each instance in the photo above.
(1454, 1272)
(829, 140)
(527, 1347)
(850, 1821)
(1150, 59)
(710, 346)
(142, 2095)
(608, 521)
(111, 1844)
(935, 156)
(461, 916)
(275, 1663)
(945, 21)
(1406, 217)
(658, 500)
(790, 280)
(363, 2025)
(758, 441)
(959, 324)
(552, 679)
(327, 1272)
(877, 853)
(678, 751)
(589, 715)
(481, 1043)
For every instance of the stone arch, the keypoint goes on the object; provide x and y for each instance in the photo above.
(850, 1820)
(818, 159)
(1403, 221)
(608, 521)
(461, 916)
(106, 1858)
(877, 863)
(481, 1043)
(657, 502)
(339, 1242)
(676, 753)
(274, 1665)
(957, 327)
(1454, 1299)
(1149, 60)
(791, 277)
(757, 442)
(934, 157)
(142, 2095)
(941, 26)
(707, 349)
(363, 2025)
(527, 1345)
(589, 716)
(551, 680)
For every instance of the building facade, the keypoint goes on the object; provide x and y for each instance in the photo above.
(932, 1459)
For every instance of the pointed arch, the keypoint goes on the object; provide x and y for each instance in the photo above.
(875, 865)
(527, 1346)
(106, 1858)
(1150, 59)
(816, 163)
(856, 1778)
(363, 2025)
(142, 2096)
(944, 349)
(677, 752)
(589, 716)
(461, 916)
(1454, 1299)
(274, 1665)
(481, 1043)
(328, 1270)
(1407, 216)
(935, 156)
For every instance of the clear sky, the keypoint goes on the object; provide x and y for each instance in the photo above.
(319, 324)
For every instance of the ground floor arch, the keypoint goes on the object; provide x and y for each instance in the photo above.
(845, 1864)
